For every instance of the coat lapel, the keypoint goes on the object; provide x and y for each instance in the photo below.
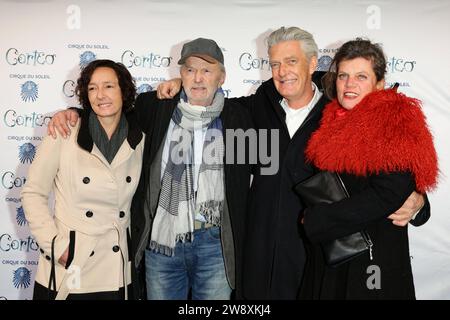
(274, 97)
(162, 120)
(124, 153)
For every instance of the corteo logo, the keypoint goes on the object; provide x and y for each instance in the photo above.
(22, 278)
(9, 180)
(248, 62)
(9, 244)
(27, 151)
(150, 60)
(12, 119)
(86, 58)
(29, 91)
(69, 88)
(400, 65)
(14, 57)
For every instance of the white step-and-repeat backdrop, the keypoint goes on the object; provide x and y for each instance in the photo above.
(43, 45)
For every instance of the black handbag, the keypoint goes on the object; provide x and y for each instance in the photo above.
(327, 187)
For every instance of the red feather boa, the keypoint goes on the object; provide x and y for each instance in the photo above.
(385, 132)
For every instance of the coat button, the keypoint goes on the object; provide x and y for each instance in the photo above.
(42, 251)
(116, 248)
(128, 179)
(86, 180)
(92, 253)
(122, 214)
(48, 258)
(89, 214)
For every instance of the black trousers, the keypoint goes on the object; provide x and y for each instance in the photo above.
(43, 293)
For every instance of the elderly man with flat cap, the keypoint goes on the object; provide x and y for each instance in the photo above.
(188, 213)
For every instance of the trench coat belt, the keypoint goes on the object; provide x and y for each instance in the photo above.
(83, 252)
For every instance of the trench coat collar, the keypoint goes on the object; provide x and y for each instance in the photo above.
(134, 136)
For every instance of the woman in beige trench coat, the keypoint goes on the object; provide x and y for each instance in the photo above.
(93, 174)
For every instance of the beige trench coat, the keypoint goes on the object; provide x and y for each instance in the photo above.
(91, 211)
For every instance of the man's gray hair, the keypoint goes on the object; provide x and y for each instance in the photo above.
(307, 42)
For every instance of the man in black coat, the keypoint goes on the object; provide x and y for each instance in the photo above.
(208, 263)
(274, 254)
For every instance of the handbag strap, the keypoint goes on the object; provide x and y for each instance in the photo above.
(338, 177)
(52, 279)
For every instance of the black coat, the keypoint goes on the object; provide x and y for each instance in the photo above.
(154, 116)
(274, 255)
(371, 200)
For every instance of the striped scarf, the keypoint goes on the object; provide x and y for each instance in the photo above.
(178, 202)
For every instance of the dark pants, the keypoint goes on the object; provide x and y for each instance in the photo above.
(42, 293)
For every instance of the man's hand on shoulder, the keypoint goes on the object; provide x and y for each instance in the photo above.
(60, 123)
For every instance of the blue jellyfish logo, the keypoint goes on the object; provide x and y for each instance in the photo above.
(86, 58)
(20, 217)
(29, 91)
(27, 151)
(324, 63)
(145, 87)
(22, 278)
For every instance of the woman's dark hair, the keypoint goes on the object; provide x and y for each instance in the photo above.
(358, 48)
(126, 83)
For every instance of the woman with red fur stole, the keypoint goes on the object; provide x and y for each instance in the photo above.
(378, 142)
